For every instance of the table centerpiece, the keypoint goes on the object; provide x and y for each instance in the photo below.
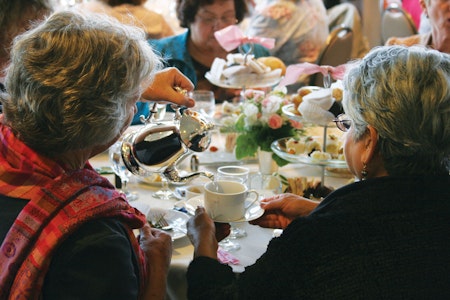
(259, 121)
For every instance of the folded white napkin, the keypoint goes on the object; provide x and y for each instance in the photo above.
(314, 107)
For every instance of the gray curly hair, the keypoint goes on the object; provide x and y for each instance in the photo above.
(70, 80)
(405, 94)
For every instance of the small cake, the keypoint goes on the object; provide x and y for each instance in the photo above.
(320, 155)
(311, 145)
(297, 98)
(341, 156)
(333, 145)
(337, 90)
(229, 108)
(294, 146)
(337, 94)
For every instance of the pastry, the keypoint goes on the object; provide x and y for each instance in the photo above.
(242, 70)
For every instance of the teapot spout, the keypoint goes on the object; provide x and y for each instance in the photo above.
(173, 175)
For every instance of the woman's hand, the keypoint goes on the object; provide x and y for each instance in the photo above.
(204, 233)
(163, 88)
(157, 246)
(281, 209)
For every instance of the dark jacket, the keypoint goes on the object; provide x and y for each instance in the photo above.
(383, 238)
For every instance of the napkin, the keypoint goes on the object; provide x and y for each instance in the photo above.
(315, 107)
(227, 258)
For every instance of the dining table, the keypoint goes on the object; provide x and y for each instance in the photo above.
(253, 245)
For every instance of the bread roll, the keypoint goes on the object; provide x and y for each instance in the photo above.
(273, 63)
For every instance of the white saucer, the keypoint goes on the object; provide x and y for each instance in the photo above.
(247, 80)
(251, 213)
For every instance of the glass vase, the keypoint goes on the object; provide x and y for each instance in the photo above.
(266, 163)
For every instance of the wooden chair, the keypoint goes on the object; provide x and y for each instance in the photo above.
(396, 22)
(337, 51)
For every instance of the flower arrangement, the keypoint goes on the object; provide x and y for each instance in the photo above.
(259, 121)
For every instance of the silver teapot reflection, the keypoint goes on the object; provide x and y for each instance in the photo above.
(159, 147)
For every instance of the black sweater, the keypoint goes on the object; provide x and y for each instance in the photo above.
(384, 238)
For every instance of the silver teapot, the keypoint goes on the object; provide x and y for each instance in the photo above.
(159, 146)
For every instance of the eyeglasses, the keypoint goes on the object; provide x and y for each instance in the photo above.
(343, 122)
(213, 21)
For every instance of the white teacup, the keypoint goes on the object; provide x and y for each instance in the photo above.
(193, 191)
(225, 200)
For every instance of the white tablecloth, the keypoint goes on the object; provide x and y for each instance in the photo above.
(257, 238)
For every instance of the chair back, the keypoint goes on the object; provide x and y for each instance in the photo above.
(348, 14)
(337, 51)
(396, 22)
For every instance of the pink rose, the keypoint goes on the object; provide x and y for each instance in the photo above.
(256, 95)
(275, 121)
(296, 124)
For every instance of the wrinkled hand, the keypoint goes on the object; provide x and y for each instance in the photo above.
(162, 89)
(281, 209)
(157, 246)
(204, 233)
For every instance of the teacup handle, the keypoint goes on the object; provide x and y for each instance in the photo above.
(254, 200)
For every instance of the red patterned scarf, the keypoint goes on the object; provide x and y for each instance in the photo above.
(59, 203)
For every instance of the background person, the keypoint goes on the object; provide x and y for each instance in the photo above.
(132, 12)
(300, 28)
(438, 38)
(16, 17)
(194, 51)
(72, 84)
(385, 236)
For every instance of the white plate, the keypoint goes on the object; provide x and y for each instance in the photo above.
(253, 212)
(245, 81)
(289, 110)
(279, 147)
(175, 219)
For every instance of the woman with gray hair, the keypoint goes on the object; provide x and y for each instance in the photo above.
(384, 236)
(72, 86)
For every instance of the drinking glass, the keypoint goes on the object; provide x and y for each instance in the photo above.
(165, 193)
(205, 102)
(239, 174)
(119, 168)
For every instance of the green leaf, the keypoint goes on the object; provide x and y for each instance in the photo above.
(280, 162)
(240, 124)
(246, 146)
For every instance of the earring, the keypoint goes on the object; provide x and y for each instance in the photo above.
(364, 172)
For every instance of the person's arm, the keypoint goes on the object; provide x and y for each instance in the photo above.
(209, 279)
(281, 209)
(164, 88)
(157, 246)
